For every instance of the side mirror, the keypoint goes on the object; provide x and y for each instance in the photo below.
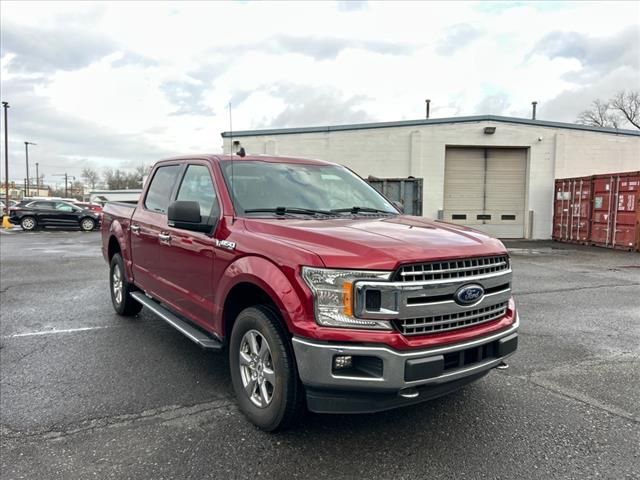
(186, 215)
(398, 205)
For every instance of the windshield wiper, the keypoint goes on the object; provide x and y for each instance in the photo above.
(290, 210)
(356, 210)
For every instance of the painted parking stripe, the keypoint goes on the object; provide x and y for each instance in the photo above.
(55, 332)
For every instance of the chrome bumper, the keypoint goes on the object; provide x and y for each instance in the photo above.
(315, 363)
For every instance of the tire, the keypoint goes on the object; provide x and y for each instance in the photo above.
(276, 399)
(28, 223)
(122, 302)
(87, 224)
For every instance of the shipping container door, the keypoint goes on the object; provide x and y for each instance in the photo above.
(485, 189)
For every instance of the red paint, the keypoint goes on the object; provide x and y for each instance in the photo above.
(194, 276)
(599, 210)
(572, 210)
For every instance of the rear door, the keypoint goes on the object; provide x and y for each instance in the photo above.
(45, 212)
(148, 223)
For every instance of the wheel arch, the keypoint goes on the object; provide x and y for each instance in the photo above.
(253, 281)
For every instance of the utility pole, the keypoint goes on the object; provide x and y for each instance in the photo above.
(66, 181)
(5, 106)
(26, 153)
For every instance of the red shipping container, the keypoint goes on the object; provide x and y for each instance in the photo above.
(615, 218)
(572, 210)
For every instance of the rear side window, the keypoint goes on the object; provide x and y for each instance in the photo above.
(160, 188)
(42, 205)
(197, 186)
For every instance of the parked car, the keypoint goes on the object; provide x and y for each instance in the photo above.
(94, 207)
(321, 291)
(46, 213)
(3, 207)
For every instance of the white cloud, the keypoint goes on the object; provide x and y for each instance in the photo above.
(134, 80)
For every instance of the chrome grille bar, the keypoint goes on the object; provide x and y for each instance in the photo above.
(452, 269)
(442, 323)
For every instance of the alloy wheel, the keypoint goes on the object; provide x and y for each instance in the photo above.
(116, 284)
(256, 368)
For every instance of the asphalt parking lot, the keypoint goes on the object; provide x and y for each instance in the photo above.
(86, 394)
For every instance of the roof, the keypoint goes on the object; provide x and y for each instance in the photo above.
(430, 121)
(217, 157)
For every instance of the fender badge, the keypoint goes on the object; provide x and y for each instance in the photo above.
(226, 244)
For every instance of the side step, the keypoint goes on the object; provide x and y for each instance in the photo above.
(198, 336)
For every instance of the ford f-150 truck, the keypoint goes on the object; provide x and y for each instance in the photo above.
(323, 293)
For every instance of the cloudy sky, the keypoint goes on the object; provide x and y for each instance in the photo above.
(121, 84)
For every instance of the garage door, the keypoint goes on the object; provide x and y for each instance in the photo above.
(484, 188)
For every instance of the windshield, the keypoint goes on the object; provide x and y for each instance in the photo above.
(262, 186)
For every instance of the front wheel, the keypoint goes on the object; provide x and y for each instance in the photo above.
(123, 303)
(263, 369)
(87, 224)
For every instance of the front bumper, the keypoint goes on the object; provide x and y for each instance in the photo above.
(383, 378)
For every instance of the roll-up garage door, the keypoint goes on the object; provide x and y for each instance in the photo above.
(484, 188)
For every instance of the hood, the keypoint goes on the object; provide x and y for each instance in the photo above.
(377, 243)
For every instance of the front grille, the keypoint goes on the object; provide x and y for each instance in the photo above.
(452, 269)
(452, 321)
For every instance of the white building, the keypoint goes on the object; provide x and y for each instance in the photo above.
(492, 173)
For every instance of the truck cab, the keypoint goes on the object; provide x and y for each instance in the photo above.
(321, 292)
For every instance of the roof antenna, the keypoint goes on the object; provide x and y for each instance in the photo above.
(233, 193)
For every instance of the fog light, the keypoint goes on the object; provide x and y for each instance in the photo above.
(342, 361)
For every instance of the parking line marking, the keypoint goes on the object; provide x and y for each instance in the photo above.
(55, 332)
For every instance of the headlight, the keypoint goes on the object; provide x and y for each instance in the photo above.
(333, 296)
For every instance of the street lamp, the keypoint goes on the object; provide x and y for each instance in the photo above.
(5, 106)
(26, 153)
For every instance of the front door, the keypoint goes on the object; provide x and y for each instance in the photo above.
(189, 274)
(66, 215)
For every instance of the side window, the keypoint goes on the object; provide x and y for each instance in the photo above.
(160, 188)
(64, 207)
(197, 186)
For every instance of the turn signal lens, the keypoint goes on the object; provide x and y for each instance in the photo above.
(347, 298)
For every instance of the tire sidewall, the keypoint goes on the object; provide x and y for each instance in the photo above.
(270, 417)
(116, 262)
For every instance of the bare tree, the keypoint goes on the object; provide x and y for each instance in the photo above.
(599, 115)
(622, 110)
(90, 176)
(628, 104)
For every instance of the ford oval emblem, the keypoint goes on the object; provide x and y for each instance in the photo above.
(468, 294)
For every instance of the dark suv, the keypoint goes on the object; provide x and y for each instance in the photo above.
(50, 213)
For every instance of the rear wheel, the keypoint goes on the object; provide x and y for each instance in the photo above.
(123, 303)
(263, 370)
(87, 224)
(28, 223)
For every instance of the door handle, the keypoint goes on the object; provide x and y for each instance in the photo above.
(135, 228)
(164, 237)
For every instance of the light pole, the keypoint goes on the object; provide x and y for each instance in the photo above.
(26, 153)
(37, 180)
(5, 106)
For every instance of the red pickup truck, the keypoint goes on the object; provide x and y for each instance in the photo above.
(323, 293)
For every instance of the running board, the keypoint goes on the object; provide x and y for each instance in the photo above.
(192, 333)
